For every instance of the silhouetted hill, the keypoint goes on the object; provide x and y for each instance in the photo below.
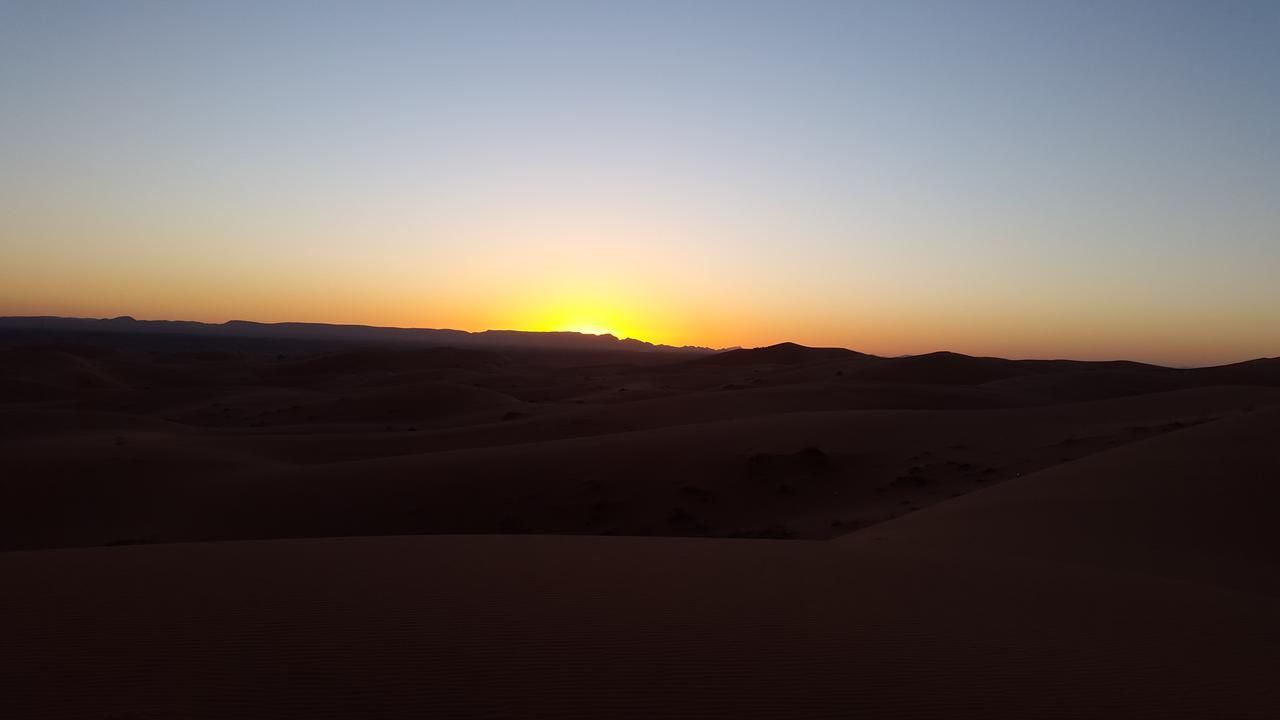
(943, 368)
(948, 368)
(1263, 371)
(787, 353)
(342, 333)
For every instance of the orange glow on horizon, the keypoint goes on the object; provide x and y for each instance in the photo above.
(592, 330)
(656, 309)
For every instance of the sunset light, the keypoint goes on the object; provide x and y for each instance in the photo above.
(763, 359)
(587, 329)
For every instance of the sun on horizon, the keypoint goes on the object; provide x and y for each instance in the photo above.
(1009, 179)
(589, 313)
(592, 329)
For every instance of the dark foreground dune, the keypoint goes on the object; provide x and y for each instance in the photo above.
(1139, 582)
(419, 532)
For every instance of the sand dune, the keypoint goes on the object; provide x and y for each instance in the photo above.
(1196, 505)
(1024, 600)
(209, 443)
(580, 473)
(780, 354)
(967, 537)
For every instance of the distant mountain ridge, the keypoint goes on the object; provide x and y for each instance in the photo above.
(351, 333)
(935, 368)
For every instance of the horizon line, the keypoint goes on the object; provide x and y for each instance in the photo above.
(615, 338)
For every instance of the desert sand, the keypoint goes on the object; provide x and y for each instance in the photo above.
(397, 532)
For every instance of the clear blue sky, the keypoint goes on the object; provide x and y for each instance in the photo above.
(1082, 179)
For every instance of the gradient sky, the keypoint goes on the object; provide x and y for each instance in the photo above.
(1026, 179)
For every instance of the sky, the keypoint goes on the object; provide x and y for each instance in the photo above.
(1080, 179)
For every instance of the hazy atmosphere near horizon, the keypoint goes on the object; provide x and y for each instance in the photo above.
(1084, 180)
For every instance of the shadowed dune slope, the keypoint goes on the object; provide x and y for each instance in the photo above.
(948, 368)
(1263, 371)
(1135, 583)
(943, 368)
(70, 481)
(114, 438)
(55, 367)
(1197, 505)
